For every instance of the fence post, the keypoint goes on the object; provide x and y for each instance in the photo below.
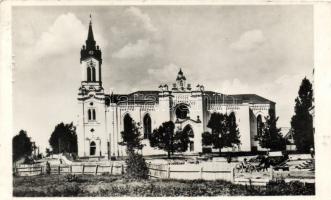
(122, 169)
(233, 175)
(201, 171)
(70, 169)
(59, 168)
(271, 172)
(111, 169)
(83, 169)
(96, 170)
(168, 172)
(41, 169)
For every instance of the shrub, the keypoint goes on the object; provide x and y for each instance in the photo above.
(280, 187)
(71, 178)
(136, 166)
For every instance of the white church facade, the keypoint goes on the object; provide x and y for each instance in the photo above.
(103, 116)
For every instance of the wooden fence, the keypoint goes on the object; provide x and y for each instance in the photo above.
(164, 171)
(189, 173)
(70, 169)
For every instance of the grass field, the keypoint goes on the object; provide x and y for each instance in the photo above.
(90, 185)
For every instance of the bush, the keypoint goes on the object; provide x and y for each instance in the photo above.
(136, 166)
(71, 178)
(280, 187)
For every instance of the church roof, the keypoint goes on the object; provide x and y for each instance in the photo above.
(251, 98)
(138, 97)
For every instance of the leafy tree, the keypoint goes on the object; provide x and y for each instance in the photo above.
(167, 139)
(136, 166)
(224, 131)
(302, 120)
(271, 136)
(181, 140)
(131, 136)
(22, 145)
(233, 136)
(64, 138)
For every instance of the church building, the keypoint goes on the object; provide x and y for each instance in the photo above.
(104, 116)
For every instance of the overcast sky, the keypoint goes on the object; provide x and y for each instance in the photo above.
(265, 50)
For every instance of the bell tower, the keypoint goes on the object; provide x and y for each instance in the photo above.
(92, 138)
(91, 60)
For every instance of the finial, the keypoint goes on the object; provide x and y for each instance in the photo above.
(90, 18)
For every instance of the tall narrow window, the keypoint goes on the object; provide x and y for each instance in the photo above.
(93, 74)
(147, 126)
(93, 114)
(92, 148)
(89, 114)
(127, 123)
(89, 74)
(259, 125)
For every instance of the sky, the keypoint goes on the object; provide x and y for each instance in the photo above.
(264, 50)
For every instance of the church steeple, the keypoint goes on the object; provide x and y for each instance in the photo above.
(90, 42)
(90, 49)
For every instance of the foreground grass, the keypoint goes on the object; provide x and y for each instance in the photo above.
(90, 185)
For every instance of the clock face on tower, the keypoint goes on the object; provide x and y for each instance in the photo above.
(91, 52)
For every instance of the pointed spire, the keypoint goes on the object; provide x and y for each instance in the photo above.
(90, 49)
(180, 71)
(90, 42)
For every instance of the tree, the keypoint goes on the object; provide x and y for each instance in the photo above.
(271, 136)
(22, 146)
(131, 136)
(64, 138)
(166, 139)
(233, 136)
(181, 140)
(224, 131)
(136, 166)
(302, 120)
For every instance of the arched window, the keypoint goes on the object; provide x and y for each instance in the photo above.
(89, 114)
(147, 126)
(93, 74)
(92, 148)
(259, 124)
(93, 114)
(232, 118)
(88, 74)
(127, 121)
